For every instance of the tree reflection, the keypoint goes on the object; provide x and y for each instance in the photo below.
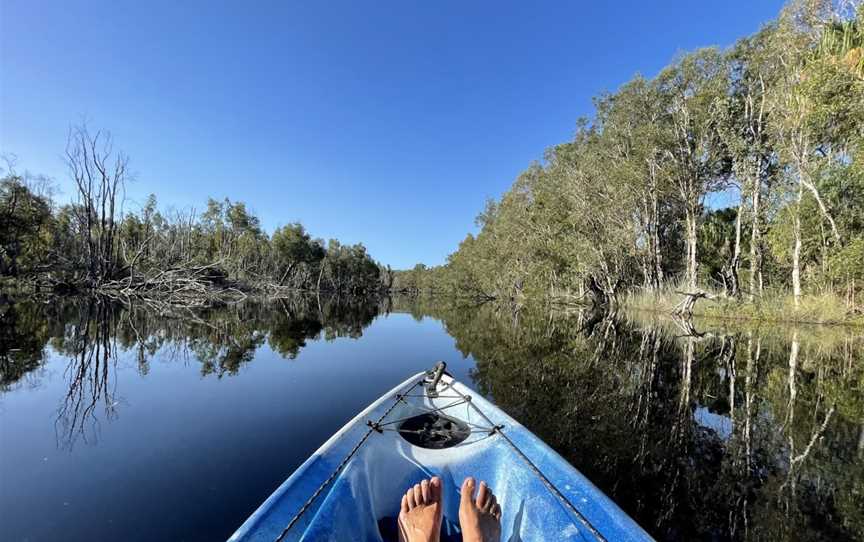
(700, 431)
(94, 335)
(23, 334)
(89, 344)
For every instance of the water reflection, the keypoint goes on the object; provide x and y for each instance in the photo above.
(89, 341)
(92, 333)
(698, 430)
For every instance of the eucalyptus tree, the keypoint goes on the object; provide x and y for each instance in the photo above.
(744, 130)
(690, 89)
(632, 145)
(835, 85)
(551, 217)
(478, 264)
(780, 115)
(510, 235)
(467, 269)
(503, 261)
(25, 226)
(347, 269)
(598, 214)
(293, 253)
(817, 109)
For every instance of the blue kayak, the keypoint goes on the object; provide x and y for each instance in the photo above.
(432, 425)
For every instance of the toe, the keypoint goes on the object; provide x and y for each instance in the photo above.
(467, 498)
(418, 494)
(496, 511)
(490, 502)
(424, 491)
(482, 495)
(404, 506)
(435, 488)
(409, 497)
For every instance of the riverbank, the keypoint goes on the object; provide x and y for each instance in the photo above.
(825, 309)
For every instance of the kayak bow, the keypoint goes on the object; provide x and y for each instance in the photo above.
(433, 425)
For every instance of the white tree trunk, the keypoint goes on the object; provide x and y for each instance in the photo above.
(796, 251)
(805, 180)
(691, 233)
(735, 264)
(658, 257)
(755, 248)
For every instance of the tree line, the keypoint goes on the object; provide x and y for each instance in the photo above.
(738, 170)
(93, 243)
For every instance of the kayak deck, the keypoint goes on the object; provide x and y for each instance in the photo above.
(350, 489)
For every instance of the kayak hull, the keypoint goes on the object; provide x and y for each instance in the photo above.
(358, 499)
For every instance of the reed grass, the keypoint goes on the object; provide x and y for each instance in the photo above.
(815, 308)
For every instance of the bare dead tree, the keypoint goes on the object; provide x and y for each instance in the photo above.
(100, 173)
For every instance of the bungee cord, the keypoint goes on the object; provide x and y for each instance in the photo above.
(339, 468)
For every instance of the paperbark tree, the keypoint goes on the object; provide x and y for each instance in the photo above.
(691, 89)
(744, 131)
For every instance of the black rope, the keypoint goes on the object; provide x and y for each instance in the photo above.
(373, 427)
(426, 410)
(436, 433)
(424, 396)
(551, 487)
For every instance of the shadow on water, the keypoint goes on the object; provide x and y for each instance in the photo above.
(699, 431)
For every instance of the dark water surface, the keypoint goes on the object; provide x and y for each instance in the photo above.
(121, 424)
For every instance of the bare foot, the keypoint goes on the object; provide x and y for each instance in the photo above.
(420, 515)
(479, 518)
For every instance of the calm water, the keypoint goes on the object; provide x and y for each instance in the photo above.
(133, 425)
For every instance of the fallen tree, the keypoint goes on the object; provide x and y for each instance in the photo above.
(684, 309)
(189, 286)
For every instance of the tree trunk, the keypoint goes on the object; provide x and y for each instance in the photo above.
(287, 272)
(647, 273)
(861, 442)
(796, 251)
(599, 296)
(655, 240)
(735, 264)
(320, 274)
(691, 232)
(755, 247)
(793, 368)
(804, 178)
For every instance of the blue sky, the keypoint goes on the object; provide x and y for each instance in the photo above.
(387, 123)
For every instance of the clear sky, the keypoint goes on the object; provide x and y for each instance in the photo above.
(387, 123)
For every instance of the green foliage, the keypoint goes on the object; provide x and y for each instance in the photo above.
(295, 254)
(25, 227)
(348, 268)
(227, 239)
(716, 237)
(777, 121)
